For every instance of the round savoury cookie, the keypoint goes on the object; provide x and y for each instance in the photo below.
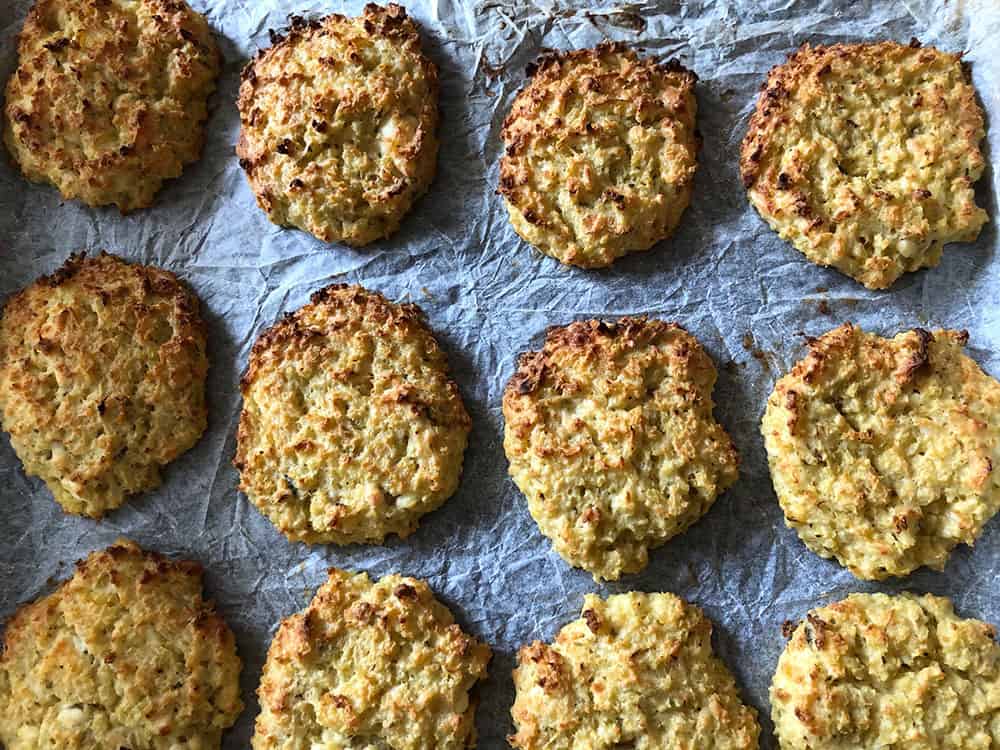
(102, 379)
(601, 151)
(338, 122)
(109, 99)
(125, 654)
(637, 671)
(879, 671)
(351, 428)
(863, 156)
(370, 665)
(610, 436)
(882, 451)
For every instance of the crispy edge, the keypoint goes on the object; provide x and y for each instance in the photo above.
(378, 311)
(107, 266)
(584, 336)
(837, 344)
(547, 69)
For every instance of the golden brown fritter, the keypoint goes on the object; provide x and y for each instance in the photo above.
(338, 125)
(125, 654)
(882, 451)
(102, 379)
(601, 151)
(109, 98)
(370, 665)
(863, 156)
(610, 436)
(634, 671)
(351, 428)
(878, 671)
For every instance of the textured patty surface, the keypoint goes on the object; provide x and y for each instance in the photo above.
(351, 428)
(125, 654)
(610, 436)
(338, 123)
(885, 453)
(109, 96)
(601, 151)
(102, 379)
(878, 671)
(863, 156)
(636, 670)
(370, 665)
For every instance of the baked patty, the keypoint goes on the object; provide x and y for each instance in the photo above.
(102, 379)
(878, 671)
(351, 428)
(125, 654)
(109, 99)
(864, 156)
(370, 665)
(338, 122)
(610, 436)
(882, 451)
(601, 151)
(636, 670)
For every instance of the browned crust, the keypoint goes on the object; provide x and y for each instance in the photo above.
(94, 271)
(548, 67)
(104, 265)
(839, 342)
(551, 666)
(583, 336)
(782, 82)
(290, 330)
(551, 57)
(832, 347)
(96, 563)
(920, 358)
(157, 569)
(389, 22)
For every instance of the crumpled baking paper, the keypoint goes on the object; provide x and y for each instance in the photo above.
(744, 293)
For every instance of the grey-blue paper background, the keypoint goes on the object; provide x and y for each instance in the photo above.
(744, 293)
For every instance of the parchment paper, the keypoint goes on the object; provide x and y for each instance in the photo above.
(725, 276)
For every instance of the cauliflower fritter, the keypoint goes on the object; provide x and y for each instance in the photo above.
(610, 436)
(882, 451)
(601, 151)
(864, 156)
(338, 122)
